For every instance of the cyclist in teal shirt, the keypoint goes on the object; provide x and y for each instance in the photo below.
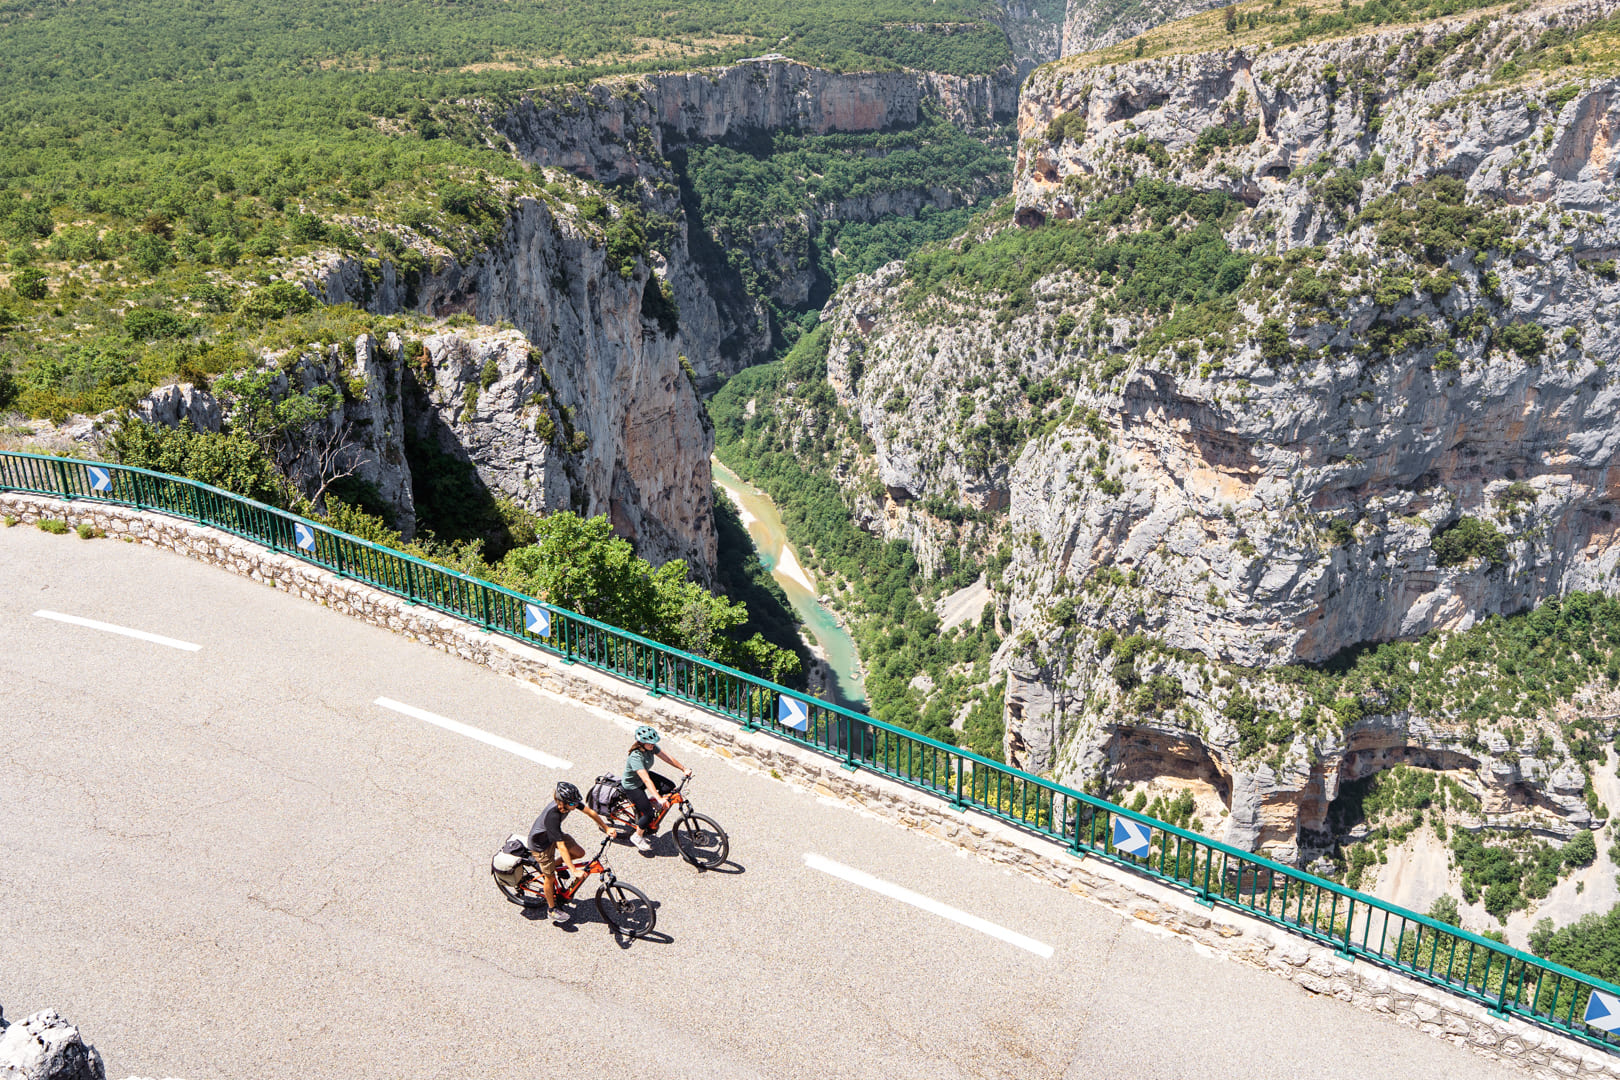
(637, 781)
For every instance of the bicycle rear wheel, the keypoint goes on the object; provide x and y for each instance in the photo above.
(626, 909)
(527, 893)
(702, 841)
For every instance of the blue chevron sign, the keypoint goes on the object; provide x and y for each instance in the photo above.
(793, 713)
(1132, 837)
(1603, 1011)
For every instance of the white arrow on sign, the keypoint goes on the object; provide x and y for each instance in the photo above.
(1603, 1012)
(537, 620)
(1132, 837)
(303, 536)
(793, 713)
(100, 479)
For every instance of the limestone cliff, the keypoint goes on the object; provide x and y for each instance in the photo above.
(1284, 351)
(597, 347)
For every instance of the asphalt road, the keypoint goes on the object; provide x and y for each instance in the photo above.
(230, 863)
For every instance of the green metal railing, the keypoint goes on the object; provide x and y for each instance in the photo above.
(1354, 924)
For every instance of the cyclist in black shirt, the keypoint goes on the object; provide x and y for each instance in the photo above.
(547, 839)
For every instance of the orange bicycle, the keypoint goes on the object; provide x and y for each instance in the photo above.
(625, 907)
(700, 839)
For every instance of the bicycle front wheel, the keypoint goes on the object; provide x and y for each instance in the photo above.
(626, 909)
(702, 841)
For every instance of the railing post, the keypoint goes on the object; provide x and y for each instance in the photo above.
(337, 559)
(657, 669)
(484, 604)
(568, 641)
(61, 479)
(849, 743)
(1343, 948)
(196, 503)
(1500, 1008)
(956, 795)
(1209, 866)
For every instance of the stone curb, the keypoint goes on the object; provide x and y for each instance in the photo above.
(1220, 931)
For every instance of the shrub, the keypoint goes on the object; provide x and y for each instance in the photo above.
(276, 300)
(1581, 849)
(31, 284)
(1069, 125)
(1466, 539)
(147, 324)
(10, 519)
(1527, 340)
(86, 531)
(1274, 340)
(53, 526)
(1444, 909)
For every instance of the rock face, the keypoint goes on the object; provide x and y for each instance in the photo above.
(180, 402)
(47, 1047)
(594, 345)
(623, 439)
(1395, 442)
(364, 436)
(1419, 339)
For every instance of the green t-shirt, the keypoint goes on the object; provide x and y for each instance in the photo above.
(638, 759)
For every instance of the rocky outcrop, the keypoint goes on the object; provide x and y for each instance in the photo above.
(363, 436)
(180, 403)
(47, 1047)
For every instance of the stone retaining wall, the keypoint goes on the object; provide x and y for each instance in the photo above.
(1223, 931)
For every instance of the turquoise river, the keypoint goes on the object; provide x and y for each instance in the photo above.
(764, 526)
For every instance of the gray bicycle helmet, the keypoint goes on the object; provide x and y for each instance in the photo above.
(647, 734)
(568, 795)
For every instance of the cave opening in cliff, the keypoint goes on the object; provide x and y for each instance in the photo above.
(1390, 787)
(1156, 770)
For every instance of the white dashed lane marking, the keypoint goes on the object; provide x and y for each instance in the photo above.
(529, 752)
(928, 904)
(140, 635)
